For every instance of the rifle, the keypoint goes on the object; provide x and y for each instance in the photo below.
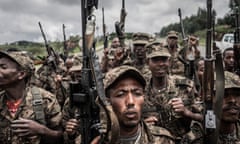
(105, 35)
(181, 23)
(52, 56)
(65, 49)
(52, 59)
(120, 26)
(189, 62)
(92, 109)
(213, 109)
(236, 46)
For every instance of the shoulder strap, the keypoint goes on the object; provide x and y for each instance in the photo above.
(38, 105)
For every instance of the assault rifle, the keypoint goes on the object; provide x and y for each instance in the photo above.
(120, 26)
(213, 109)
(105, 34)
(89, 94)
(65, 49)
(181, 23)
(236, 46)
(52, 58)
(188, 61)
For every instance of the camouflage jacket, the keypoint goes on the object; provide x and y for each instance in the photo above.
(156, 104)
(45, 80)
(150, 135)
(196, 135)
(142, 68)
(51, 111)
(69, 113)
(176, 66)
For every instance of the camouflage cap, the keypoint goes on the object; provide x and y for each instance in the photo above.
(113, 75)
(172, 34)
(156, 49)
(22, 59)
(140, 38)
(231, 80)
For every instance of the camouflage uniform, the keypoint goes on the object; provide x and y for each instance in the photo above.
(30, 108)
(46, 80)
(159, 101)
(69, 113)
(52, 114)
(147, 134)
(150, 135)
(197, 131)
(156, 101)
(176, 66)
(140, 39)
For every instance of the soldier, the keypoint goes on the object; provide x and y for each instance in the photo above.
(229, 125)
(28, 114)
(48, 78)
(192, 52)
(169, 99)
(108, 61)
(124, 87)
(139, 51)
(115, 43)
(228, 59)
(176, 66)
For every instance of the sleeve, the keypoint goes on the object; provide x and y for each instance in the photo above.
(52, 109)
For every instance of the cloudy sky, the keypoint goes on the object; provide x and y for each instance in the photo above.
(19, 18)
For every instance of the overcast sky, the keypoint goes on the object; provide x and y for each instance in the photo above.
(19, 18)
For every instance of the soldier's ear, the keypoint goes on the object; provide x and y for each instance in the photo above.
(21, 74)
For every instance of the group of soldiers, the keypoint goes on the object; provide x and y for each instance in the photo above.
(146, 84)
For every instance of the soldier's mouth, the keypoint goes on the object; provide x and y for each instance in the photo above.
(130, 114)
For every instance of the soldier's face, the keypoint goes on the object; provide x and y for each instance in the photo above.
(172, 41)
(115, 43)
(231, 106)
(229, 59)
(139, 51)
(127, 98)
(159, 66)
(10, 72)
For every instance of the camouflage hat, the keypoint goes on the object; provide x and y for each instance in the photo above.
(156, 49)
(140, 38)
(22, 59)
(114, 74)
(231, 80)
(172, 34)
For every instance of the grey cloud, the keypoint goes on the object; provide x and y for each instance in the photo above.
(19, 18)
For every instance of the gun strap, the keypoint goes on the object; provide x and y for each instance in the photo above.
(219, 91)
(38, 105)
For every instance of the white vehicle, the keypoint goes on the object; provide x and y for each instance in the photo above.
(226, 42)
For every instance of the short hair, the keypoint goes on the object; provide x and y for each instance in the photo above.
(227, 49)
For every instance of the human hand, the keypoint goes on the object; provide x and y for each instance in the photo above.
(71, 126)
(177, 105)
(25, 127)
(152, 120)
